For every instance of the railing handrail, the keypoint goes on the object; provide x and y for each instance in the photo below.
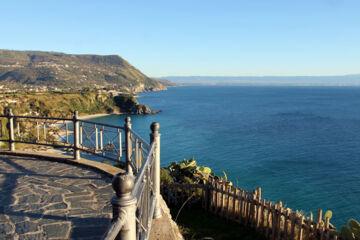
(139, 177)
(39, 117)
(103, 124)
(115, 228)
(146, 185)
(140, 138)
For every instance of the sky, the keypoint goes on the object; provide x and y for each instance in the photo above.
(196, 37)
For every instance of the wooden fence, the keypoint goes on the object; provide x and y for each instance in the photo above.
(272, 220)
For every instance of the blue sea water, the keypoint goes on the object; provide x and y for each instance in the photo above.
(301, 145)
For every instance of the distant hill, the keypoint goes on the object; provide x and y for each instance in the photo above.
(27, 69)
(166, 82)
(345, 80)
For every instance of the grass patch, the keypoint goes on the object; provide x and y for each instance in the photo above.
(200, 224)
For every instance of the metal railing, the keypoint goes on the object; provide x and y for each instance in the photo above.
(137, 189)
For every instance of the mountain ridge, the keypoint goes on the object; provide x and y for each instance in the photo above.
(27, 69)
(341, 80)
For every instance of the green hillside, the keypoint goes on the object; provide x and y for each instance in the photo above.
(64, 104)
(31, 69)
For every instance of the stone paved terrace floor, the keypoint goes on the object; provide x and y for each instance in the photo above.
(50, 200)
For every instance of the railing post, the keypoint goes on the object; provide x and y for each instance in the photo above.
(76, 136)
(124, 205)
(128, 144)
(155, 138)
(11, 131)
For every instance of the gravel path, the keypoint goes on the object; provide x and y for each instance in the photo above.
(50, 200)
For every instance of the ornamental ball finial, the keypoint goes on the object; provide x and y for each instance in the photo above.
(123, 183)
(155, 126)
(127, 119)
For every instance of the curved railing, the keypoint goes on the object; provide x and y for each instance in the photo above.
(137, 189)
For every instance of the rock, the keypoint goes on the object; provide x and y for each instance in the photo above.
(129, 104)
(140, 109)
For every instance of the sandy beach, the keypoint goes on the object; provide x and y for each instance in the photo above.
(89, 116)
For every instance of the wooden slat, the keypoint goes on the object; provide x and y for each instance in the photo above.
(246, 208)
(216, 197)
(327, 228)
(212, 193)
(241, 206)
(301, 221)
(258, 213)
(223, 197)
(273, 221)
(318, 222)
(292, 231)
(262, 222)
(321, 232)
(252, 209)
(308, 230)
(228, 192)
(234, 203)
(278, 220)
(268, 219)
(286, 225)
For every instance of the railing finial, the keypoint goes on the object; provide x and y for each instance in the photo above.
(124, 207)
(155, 127)
(123, 183)
(76, 114)
(127, 120)
(10, 112)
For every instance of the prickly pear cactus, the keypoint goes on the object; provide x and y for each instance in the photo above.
(328, 214)
(354, 227)
(345, 233)
(187, 171)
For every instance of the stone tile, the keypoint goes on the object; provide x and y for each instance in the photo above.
(8, 236)
(78, 194)
(90, 221)
(49, 198)
(33, 236)
(16, 217)
(4, 218)
(29, 199)
(86, 232)
(56, 206)
(25, 227)
(46, 198)
(6, 228)
(57, 230)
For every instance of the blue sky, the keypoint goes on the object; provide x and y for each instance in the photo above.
(223, 38)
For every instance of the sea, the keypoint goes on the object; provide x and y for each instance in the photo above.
(301, 145)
